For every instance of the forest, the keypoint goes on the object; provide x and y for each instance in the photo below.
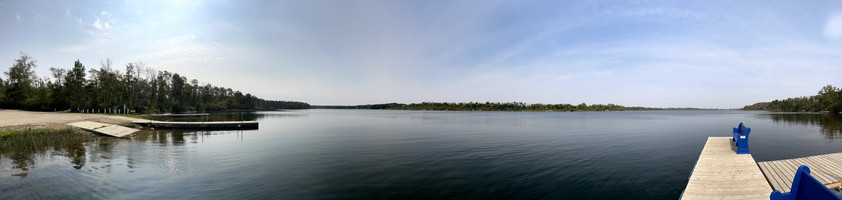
(829, 99)
(139, 88)
(497, 106)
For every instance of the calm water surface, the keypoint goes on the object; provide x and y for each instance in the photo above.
(373, 154)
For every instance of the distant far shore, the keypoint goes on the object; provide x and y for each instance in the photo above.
(496, 106)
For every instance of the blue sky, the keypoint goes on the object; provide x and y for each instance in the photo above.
(710, 54)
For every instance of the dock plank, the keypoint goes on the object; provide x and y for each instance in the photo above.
(782, 175)
(774, 181)
(825, 168)
(789, 172)
(819, 172)
(720, 173)
(832, 164)
(833, 169)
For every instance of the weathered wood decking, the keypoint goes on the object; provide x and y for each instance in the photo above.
(721, 173)
(827, 169)
(105, 129)
(199, 125)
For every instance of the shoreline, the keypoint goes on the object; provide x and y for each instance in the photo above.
(16, 119)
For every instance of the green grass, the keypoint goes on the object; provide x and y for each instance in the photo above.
(5, 133)
(35, 140)
(23, 144)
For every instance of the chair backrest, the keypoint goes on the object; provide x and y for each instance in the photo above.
(742, 130)
(804, 186)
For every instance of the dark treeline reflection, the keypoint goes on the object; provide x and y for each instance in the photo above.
(830, 124)
(102, 149)
(74, 150)
(228, 116)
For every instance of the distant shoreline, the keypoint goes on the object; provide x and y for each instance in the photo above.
(497, 106)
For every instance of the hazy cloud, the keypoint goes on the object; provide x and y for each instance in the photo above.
(103, 21)
(833, 29)
(35, 15)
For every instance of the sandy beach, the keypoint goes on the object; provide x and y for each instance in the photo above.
(14, 118)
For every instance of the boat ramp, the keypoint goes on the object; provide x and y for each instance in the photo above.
(104, 129)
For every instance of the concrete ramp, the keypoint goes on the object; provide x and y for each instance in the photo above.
(105, 129)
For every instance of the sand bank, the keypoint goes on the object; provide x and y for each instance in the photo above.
(14, 118)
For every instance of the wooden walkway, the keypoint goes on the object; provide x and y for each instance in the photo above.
(199, 125)
(104, 129)
(827, 169)
(721, 173)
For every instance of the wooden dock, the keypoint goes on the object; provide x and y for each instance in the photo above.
(104, 129)
(721, 173)
(826, 168)
(199, 125)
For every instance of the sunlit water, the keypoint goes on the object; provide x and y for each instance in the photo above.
(374, 154)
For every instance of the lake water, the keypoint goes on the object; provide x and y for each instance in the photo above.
(382, 154)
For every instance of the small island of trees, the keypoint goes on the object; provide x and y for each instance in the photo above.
(828, 99)
(139, 88)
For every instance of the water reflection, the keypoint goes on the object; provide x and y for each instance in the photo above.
(99, 153)
(830, 124)
(23, 159)
(229, 116)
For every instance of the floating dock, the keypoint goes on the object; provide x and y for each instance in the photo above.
(104, 129)
(199, 125)
(827, 169)
(721, 173)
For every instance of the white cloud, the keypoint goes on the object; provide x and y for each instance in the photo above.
(18, 16)
(97, 24)
(103, 21)
(833, 29)
(181, 51)
(67, 11)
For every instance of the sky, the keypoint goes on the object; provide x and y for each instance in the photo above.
(705, 54)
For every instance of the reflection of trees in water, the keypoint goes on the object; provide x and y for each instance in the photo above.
(830, 124)
(45, 145)
(162, 136)
(100, 151)
(230, 116)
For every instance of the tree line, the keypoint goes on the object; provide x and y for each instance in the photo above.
(828, 99)
(139, 88)
(497, 106)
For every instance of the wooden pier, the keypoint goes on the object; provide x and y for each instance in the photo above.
(104, 129)
(199, 125)
(721, 173)
(826, 168)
